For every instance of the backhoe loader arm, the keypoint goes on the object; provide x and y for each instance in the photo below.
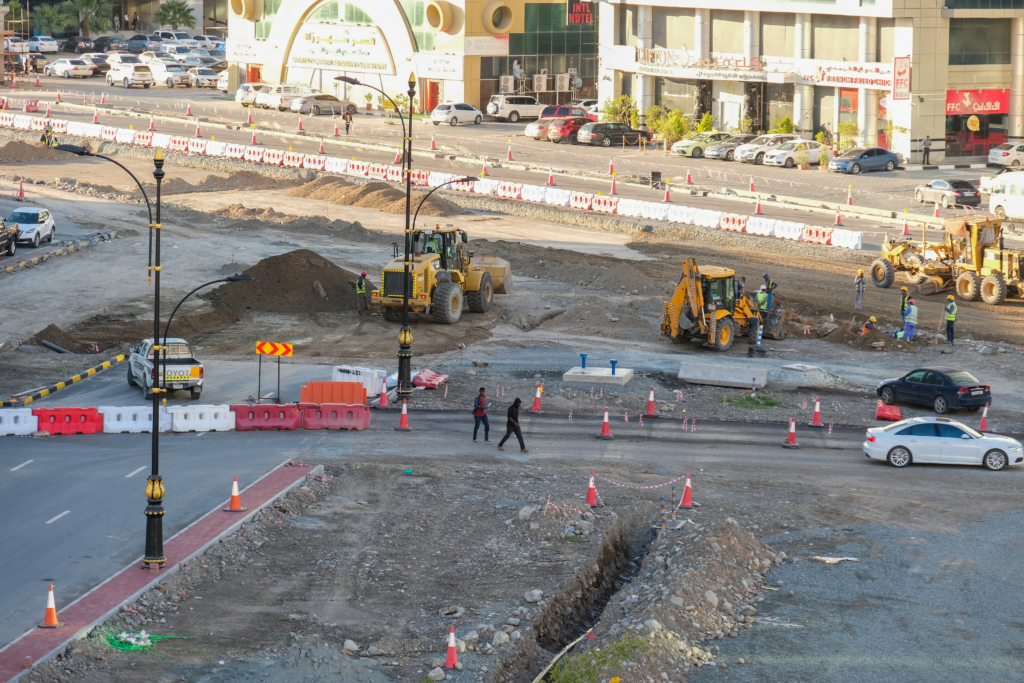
(687, 300)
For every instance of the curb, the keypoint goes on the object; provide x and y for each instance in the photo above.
(88, 241)
(61, 385)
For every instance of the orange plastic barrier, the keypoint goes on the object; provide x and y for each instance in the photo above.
(378, 171)
(581, 200)
(816, 235)
(197, 146)
(358, 167)
(274, 157)
(254, 154)
(178, 144)
(233, 151)
(266, 417)
(335, 416)
(395, 174)
(420, 177)
(882, 412)
(605, 204)
(314, 161)
(733, 222)
(144, 138)
(345, 393)
(69, 420)
(108, 133)
(38, 124)
(58, 126)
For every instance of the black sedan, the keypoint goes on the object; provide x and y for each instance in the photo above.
(108, 43)
(79, 44)
(942, 388)
(948, 192)
(608, 134)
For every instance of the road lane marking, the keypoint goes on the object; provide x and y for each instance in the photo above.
(15, 469)
(58, 516)
(135, 472)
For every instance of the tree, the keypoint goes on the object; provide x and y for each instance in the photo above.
(85, 15)
(175, 13)
(14, 11)
(783, 125)
(707, 123)
(674, 126)
(621, 109)
(847, 133)
(46, 19)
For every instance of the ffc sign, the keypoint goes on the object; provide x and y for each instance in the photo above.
(578, 13)
(901, 78)
(272, 349)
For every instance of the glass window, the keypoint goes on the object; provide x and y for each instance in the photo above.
(950, 432)
(962, 377)
(979, 41)
(933, 378)
(926, 429)
(916, 377)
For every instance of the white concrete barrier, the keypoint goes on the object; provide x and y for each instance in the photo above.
(202, 418)
(92, 130)
(654, 211)
(371, 378)
(76, 128)
(17, 422)
(485, 186)
(706, 219)
(215, 148)
(24, 122)
(132, 419)
(848, 239)
(556, 197)
(630, 207)
(758, 225)
(126, 136)
(533, 193)
(161, 140)
(789, 231)
(335, 165)
(681, 214)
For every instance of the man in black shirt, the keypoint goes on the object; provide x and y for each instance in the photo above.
(513, 426)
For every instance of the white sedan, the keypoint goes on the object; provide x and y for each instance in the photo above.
(792, 153)
(205, 78)
(1007, 154)
(940, 440)
(68, 68)
(754, 152)
(35, 225)
(42, 44)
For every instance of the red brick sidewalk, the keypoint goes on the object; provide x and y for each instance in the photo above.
(96, 605)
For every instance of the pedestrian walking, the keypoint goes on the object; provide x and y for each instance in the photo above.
(769, 286)
(127, 22)
(910, 322)
(480, 406)
(904, 302)
(858, 288)
(513, 426)
(117, 23)
(347, 118)
(926, 150)
(950, 319)
(362, 302)
(135, 22)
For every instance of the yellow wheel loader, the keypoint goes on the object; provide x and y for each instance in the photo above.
(445, 277)
(704, 307)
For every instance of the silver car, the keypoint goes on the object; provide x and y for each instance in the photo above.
(204, 78)
(246, 93)
(315, 104)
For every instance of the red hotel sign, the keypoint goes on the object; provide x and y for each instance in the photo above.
(967, 102)
(579, 13)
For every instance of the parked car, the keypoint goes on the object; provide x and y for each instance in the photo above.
(451, 113)
(1006, 195)
(43, 44)
(35, 63)
(8, 237)
(122, 58)
(79, 44)
(566, 129)
(695, 145)
(199, 52)
(69, 68)
(209, 42)
(753, 152)
(222, 81)
(178, 52)
(986, 181)
(179, 37)
(277, 96)
(194, 62)
(1007, 154)
(565, 111)
(589, 105)
(171, 74)
(514, 107)
(141, 43)
(130, 74)
(35, 225)
(151, 56)
(316, 104)
(940, 440)
(726, 149)
(943, 388)
(948, 191)
(14, 44)
(861, 159)
(246, 93)
(608, 134)
(218, 65)
(794, 152)
(538, 130)
(183, 371)
(219, 55)
(107, 43)
(204, 78)
(99, 67)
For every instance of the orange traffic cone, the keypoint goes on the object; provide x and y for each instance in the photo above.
(95, 116)
(984, 419)
(849, 196)
(689, 178)
(936, 209)
(321, 145)
(651, 412)
(433, 143)
(403, 424)
(751, 183)
(199, 133)
(248, 119)
(483, 173)
(536, 401)
(21, 191)
(37, 81)
(189, 111)
(906, 223)
(509, 150)
(757, 209)
(152, 123)
(14, 82)
(253, 135)
(687, 503)
(47, 110)
(453, 658)
(335, 127)
(613, 184)
(791, 441)
(103, 98)
(551, 176)
(816, 420)
(85, 100)
(606, 428)
(300, 123)
(50, 621)
(611, 167)
(236, 500)
(398, 155)
(383, 402)
(839, 220)
(591, 492)
(668, 194)
(58, 95)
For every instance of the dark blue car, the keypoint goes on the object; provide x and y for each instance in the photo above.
(864, 159)
(942, 388)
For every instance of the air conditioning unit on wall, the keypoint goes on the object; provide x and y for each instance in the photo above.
(562, 82)
(540, 83)
(508, 84)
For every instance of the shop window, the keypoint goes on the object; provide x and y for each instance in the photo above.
(778, 34)
(974, 136)
(673, 28)
(835, 37)
(627, 25)
(885, 45)
(979, 41)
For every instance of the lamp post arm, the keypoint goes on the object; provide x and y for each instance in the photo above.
(168, 326)
(141, 189)
(400, 117)
(420, 205)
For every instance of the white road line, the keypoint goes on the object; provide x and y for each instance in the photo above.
(15, 469)
(135, 472)
(58, 516)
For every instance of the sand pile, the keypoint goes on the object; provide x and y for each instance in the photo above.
(300, 281)
(16, 151)
(56, 335)
(379, 196)
(107, 331)
(239, 180)
(255, 218)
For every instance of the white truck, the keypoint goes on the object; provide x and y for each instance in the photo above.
(184, 372)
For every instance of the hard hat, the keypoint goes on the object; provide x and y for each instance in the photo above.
(950, 297)
(861, 271)
(740, 285)
(911, 301)
(873, 319)
(363, 273)
(763, 288)
(903, 288)
(766, 274)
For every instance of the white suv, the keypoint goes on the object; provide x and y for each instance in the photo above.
(179, 37)
(753, 152)
(171, 74)
(130, 74)
(279, 96)
(514, 107)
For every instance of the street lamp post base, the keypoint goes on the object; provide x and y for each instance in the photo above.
(405, 387)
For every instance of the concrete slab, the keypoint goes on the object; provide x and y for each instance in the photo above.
(599, 375)
(724, 375)
(800, 367)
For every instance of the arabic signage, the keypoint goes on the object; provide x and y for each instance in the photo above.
(853, 78)
(242, 51)
(578, 13)
(360, 49)
(901, 80)
(967, 102)
(679, 64)
(494, 46)
(439, 66)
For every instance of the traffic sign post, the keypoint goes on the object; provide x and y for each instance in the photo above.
(271, 349)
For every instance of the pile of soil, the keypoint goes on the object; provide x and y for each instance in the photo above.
(299, 281)
(239, 180)
(103, 332)
(351, 232)
(375, 195)
(16, 151)
(56, 335)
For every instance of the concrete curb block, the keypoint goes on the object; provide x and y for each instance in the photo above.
(63, 249)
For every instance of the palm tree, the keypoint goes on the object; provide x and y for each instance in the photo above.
(175, 13)
(46, 18)
(86, 15)
(14, 11)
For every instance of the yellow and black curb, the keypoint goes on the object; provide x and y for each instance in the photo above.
(67, 249)
(60, 385)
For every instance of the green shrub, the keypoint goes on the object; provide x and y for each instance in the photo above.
(592, 666)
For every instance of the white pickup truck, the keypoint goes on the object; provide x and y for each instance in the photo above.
(183, 371)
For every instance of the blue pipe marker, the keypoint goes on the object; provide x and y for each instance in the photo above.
(613, 366)
(584, 357)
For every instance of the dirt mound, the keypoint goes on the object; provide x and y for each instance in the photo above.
(240, 212)
(254, 219)
(300, 281)
(56, 335)
(16, 151)
(375, 195)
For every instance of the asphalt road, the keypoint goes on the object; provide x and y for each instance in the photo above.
(67, 230)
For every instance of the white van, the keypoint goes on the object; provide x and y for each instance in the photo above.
(1006, 196)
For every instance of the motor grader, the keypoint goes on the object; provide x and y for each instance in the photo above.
(704, 307)
(445, 277)
(971, 259)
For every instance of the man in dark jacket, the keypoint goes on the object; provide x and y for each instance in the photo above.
(480, 415)
(513, 426)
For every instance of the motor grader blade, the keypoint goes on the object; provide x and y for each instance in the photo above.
(933, 284)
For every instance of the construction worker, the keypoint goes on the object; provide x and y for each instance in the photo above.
(739, 291)
(769, 287)
(480, 406)
(869, 325)
(362, 302)
(858, 288)
(950, 319)
(910, 321)
(904, 302)
(763, 300)
(512, 427)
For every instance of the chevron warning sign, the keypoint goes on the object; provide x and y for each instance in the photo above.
(272, 349)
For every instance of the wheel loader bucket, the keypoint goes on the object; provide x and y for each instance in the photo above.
(500, 270)
(773, 327)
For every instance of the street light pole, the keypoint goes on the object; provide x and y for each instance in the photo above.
(155, 484)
